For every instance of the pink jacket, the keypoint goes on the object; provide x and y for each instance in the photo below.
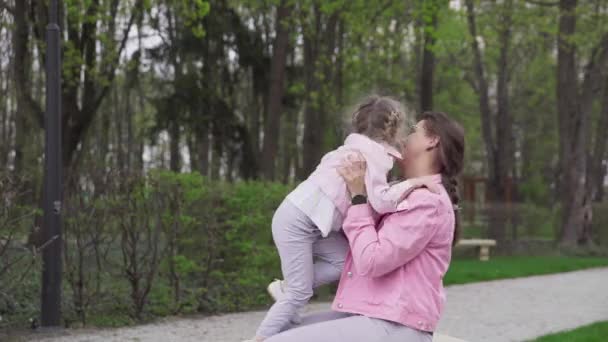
(395, 268)
(379, 157)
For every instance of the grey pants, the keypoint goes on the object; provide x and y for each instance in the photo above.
(337, 327)
(299, 241)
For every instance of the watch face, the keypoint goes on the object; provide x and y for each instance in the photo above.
(359, 199)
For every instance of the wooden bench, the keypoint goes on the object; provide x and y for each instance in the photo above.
(483, 244)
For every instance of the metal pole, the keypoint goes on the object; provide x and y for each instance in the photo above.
(51, 255)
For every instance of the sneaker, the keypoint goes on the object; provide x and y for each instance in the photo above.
(277, 290)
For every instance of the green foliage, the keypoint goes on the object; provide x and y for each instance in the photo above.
(216, 246)
(20, 261)
(538, 221)
(194, 12)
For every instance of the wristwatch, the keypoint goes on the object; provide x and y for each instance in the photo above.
(359, 199)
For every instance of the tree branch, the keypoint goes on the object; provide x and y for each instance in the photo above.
(482, 84)
(595, 70)
(7, 7)
(123, 43)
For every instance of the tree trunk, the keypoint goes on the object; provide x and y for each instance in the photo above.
(503, 161)
(21, 63)
(118, 129)
(4, 117)
(572, 127)
(315, 107)
(482, 89)
(497, 133)
(290, 149)
(596, 78)
(254, 117)
(339, 66)
(216, 159)
(312, 120)
(430, 10)
(276, 91)
(597, 171)
(174, 152)
(103, 136)
(83, 36)
(202, 146)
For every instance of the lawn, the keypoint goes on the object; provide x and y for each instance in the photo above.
(597, 332)
(464, 271)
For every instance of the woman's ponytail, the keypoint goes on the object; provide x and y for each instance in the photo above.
(451, 186)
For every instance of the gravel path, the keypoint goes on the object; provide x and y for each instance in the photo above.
(504, 310)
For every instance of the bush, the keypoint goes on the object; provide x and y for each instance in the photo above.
(19, 257)
(167, 244)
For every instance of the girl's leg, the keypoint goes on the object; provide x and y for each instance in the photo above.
(353, 329)
(318, 318)
(331, 253)
(294, 234)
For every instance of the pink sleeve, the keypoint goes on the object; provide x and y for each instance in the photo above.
(403, 235)
(381, 196)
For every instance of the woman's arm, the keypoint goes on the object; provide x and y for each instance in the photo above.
(403, 236)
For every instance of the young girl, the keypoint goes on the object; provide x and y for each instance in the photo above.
(307, 223)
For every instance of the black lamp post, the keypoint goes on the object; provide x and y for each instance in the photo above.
(51, 257)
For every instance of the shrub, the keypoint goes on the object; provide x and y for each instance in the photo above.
(19, 259)
(169, 243)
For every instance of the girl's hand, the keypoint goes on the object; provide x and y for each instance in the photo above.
(426, 182)
(353, 171)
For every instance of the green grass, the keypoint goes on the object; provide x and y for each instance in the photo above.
(464, 271)
(597, 332)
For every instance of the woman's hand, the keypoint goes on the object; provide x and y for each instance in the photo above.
(353, 171)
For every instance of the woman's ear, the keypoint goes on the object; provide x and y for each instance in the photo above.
(432, 142)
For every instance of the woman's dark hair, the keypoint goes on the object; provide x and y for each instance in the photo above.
(451, 155)
(379, 118)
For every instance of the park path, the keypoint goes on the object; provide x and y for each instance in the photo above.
(503, 310)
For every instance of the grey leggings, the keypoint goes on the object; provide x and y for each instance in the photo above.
(337, 326)
(298, 241)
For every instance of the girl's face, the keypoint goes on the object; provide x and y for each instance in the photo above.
(418, 142)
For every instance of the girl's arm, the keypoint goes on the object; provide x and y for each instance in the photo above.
(378, 194)
(403, 236)
(385, 198)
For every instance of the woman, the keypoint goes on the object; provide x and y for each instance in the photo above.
(391, 287)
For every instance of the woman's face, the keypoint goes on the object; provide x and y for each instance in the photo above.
(417, 144)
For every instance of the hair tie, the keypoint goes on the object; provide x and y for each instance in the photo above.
(395, 115)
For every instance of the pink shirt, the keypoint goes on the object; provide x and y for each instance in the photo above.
(324, 197)
(395, 267)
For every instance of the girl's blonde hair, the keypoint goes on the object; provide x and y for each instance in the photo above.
(379, 118)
